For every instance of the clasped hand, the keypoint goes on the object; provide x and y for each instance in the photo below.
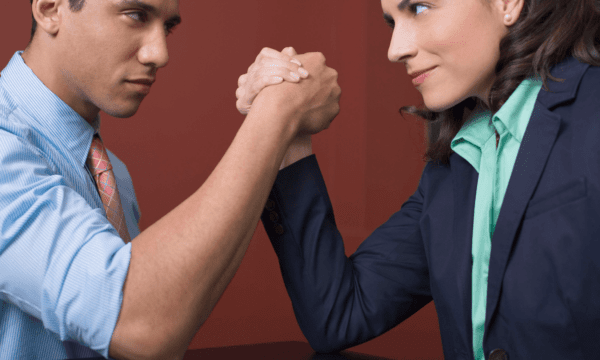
(310, 89)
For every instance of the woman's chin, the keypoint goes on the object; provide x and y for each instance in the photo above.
(439, 103)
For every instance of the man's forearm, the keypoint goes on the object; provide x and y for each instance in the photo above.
(181, 265)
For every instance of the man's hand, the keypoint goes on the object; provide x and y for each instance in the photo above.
(270, 68)
(310, 105)
(250, 86)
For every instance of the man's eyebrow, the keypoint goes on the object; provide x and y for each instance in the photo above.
(172, 21)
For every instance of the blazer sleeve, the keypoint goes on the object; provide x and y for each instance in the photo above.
(338, 301)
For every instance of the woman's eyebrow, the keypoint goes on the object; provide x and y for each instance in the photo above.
(388, 19)
(403, 4)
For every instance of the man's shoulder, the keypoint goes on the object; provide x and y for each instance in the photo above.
(18, 140)
(7, 104)
(15, 127)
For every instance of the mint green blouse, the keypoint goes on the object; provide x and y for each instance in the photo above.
(476, 143)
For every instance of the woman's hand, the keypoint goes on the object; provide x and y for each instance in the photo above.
(271, 67)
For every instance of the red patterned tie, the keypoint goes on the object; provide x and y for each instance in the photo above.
(101, 169)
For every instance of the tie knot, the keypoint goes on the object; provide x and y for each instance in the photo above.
(98, 161)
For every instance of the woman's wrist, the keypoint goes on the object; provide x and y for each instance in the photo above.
(300, 148)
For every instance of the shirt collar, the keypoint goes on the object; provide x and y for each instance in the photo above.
(476, 130)
(513, 116)
(47, 112)
(516, 111)
(472, 136)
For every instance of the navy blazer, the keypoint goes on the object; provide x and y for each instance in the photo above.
(543, 299)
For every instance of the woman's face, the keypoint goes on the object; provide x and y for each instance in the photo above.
(456, 43)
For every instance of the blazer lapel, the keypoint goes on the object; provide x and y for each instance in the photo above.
(465, 187)
(535, 148)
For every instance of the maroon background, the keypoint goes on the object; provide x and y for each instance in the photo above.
(370, 156)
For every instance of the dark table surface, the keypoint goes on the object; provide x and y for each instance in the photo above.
(291, 350)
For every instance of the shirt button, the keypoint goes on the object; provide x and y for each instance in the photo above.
(498, 354)
(270, 205)
(274, 216)
(278, 229)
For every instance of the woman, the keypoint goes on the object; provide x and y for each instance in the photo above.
(502, 231)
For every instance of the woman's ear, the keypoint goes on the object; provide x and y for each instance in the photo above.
(510, 10)
(47, 14)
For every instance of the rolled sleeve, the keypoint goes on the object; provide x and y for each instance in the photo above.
(61, 261)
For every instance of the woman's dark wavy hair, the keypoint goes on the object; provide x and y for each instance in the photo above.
(74, 5)
(546, 32)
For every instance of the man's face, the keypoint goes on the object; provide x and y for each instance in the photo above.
(111, 48)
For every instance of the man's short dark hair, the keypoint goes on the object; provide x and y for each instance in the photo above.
(74, 6)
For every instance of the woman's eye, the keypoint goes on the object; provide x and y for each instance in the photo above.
(418, 8)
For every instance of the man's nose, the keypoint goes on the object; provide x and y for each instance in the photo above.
(155, 52)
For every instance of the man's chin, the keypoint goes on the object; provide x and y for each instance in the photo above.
(122, 111)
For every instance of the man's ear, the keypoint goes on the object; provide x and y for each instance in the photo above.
(48, 15)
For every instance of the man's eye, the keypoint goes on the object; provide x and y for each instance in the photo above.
(137, 16)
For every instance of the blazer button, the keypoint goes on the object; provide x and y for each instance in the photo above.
(278, 229)
(498, 354)
(273, 216)
(270, 205)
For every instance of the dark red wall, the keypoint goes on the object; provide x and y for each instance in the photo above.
(370, 156)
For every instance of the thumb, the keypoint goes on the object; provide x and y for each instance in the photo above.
(289, 51)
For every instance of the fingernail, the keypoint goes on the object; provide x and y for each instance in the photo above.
(277, 79)
(295, 76)
(295, 61)
(303, 72)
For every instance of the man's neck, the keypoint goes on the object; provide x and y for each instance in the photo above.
(42, 64)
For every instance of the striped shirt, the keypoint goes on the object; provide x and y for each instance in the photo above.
(62, 264)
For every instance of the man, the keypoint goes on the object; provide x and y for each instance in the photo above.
(72, 284)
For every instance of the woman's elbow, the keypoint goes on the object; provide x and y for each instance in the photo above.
(322, 342)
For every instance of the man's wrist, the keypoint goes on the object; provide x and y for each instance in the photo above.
(276, 100)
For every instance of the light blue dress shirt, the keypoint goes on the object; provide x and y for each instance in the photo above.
(62, 264)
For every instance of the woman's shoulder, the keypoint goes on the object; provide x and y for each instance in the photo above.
(590, 82)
